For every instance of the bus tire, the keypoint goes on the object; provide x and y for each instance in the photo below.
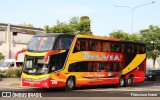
(130, 81)
(70, 84)
(122, 82)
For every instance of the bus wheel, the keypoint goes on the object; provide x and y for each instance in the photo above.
(122, 82)
(70, 84)
(130, 81)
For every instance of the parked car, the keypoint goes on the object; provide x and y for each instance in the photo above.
(153, 75)
(9, 63)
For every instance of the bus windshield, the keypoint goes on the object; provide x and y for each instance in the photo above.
(35, 65)
(41, 43)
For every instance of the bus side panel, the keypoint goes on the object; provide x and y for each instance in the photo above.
(138, 73)
(96, 79)
(58, 79)
(141, 70)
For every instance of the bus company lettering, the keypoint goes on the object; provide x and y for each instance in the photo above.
(95, 75)
(109, 57)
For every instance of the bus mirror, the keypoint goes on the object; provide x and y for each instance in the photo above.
(46, 59)
(16, 56)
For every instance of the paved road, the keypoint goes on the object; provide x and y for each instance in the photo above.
(145, 89)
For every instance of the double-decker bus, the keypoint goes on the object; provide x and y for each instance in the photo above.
(63, 60)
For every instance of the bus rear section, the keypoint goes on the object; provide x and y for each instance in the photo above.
(101, 61)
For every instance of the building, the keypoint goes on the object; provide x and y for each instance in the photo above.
(14, 38)
(150, 64)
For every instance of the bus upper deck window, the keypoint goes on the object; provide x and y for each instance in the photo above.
(105, 47)
(93, 47)
(142, 49)
(82, 46)
(77, 46)
(63, 43)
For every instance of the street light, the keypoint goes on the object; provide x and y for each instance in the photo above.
(132, 9)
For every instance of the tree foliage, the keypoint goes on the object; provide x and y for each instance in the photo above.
(151, 37)
(75, 26)
(1, 56)
(119, 35)
(27, 25)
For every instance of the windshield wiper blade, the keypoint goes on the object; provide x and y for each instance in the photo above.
(30, 50)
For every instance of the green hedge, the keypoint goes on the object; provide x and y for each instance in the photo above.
(12, 72)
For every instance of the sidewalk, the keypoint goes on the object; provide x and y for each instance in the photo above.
(10, 83)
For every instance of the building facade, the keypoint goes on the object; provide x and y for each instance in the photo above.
(14, 38)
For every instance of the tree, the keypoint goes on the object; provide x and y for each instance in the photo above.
(119, 35)
(151, 37)
(26, 25)
(133, 37)
(75, 26)
(84, 26)
(1, 56)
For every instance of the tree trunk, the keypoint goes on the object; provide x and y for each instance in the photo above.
(154, 61)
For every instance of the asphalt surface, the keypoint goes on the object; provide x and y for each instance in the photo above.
(145, 89)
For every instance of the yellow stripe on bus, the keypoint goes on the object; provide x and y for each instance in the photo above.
(135, 63)
(40, 54)
(35, 77)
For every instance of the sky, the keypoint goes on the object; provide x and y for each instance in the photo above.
(105, 17)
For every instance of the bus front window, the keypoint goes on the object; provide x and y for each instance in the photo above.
(35, 65)
(63, 43)
(41, 43)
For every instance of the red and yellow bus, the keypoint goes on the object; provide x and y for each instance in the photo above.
(63, 60)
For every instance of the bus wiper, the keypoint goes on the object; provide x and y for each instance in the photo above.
(29, 50)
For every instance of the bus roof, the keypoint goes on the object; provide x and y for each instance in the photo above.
(52, 34)
(90, 37)
(110, 39)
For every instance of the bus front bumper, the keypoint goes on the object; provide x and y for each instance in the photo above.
(43, 83)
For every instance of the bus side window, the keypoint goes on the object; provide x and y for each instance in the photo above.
(117, 66)
(135, 49)
(82, 45)
(116, 47)
(105, 46)
(74, 67)
(92, 46)
(98, 46)
(111, 67)
(128, 48)
(95, 68)
(100, 67)
(114, 67)
(132, 51)
(141, 49)
(71, 68)
(77, 47)
(107, 67)
(90, 66)
(123, 48)
(119, 47)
